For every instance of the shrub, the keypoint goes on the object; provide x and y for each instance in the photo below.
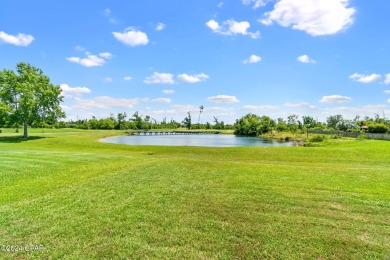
(317, 138)
(361, 137)
(378, 128)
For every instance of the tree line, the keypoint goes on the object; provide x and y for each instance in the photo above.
(254, 125)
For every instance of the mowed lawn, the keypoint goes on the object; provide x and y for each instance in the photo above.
(80, 198)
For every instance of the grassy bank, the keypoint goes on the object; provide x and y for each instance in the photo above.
(83, 199)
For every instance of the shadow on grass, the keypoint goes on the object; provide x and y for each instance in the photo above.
(18, 139)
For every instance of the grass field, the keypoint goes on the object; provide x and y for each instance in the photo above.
(83, 199)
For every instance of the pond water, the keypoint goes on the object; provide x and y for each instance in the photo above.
(212, 140)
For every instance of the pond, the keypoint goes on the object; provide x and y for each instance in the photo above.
(211, 140)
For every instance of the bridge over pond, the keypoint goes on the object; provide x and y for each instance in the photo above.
(167, 132)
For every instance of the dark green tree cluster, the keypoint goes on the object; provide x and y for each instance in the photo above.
(253, 125)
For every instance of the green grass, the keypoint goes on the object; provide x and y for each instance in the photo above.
(84, 199)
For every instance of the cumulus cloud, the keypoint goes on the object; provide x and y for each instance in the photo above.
(252, 59)
(127, 78)
(160, 27)
(90, 60)
(168, 91)
(256, 3)
(232, 27)
(365, 78)
(336, 99)
(132, 37)
(160, 78)
(315, 17)
(69, 92)
(20, 39)
(303, 105)
(223, 99)
(305, 59)
(193, 78)
(105, 102)
(108, 79)
(387, 91)
(387, 79)
(105, 55)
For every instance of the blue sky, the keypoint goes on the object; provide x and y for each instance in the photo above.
(164, 58)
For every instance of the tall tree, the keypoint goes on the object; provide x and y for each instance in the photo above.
(187, 121)
(27, 95)
(200, 112)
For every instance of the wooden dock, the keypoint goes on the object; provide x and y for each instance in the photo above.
(173, 132)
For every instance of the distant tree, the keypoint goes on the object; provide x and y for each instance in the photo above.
(309, 122)
(253, 125)
(281, 125)
(137, 120)
(346, 125)
(332, 121)
(121, 119)
(27, 95)
(218, 125)
(187, 121)
(378, 128)
(293, 123)
(200, 112)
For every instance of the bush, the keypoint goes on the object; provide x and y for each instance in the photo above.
(317, 138)
(361, 137)
(378, 128)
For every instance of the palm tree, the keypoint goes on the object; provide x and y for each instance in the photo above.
(200, 112)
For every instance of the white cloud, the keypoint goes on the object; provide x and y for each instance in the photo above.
(223, 99)
(387, 91)
(365, 78)
(337, 99)
(108, 79)
(168, 91)
(105, 102)
(160, 27)
(252, 59)
(193, 78)
(220, 5)
(232, 27)
(107, 12)
(160, 78)
(303, 105)
(315, 17)
(305, 59)
(259, 108)
(20, 39)
(105, 55)
(213, 25)
(132, 37)
(89, 61)
(256, 3)
(387, 79)
(67, 91)
(127, 78)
